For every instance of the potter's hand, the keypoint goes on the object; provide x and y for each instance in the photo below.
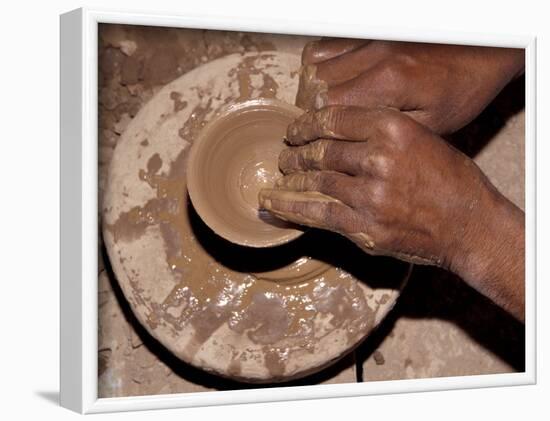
(441, 86)
(394, 188)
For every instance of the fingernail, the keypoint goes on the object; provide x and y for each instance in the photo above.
(292, 130)
(264, 200)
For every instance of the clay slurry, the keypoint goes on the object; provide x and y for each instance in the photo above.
(234, 158)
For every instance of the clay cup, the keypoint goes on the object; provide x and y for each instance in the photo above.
(233, 158)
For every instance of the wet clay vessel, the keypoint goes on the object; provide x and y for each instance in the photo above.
(252, 314)
(234, 157)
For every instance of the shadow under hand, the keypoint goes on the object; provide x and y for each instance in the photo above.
(322, 245)
(433, 293)
(472, 138)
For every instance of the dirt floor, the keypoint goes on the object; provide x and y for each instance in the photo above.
(439, 327)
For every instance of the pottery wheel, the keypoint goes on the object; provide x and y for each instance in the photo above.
(257, 315)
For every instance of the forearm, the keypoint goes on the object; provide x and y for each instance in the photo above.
(492, 259)
(497, 67)
(516, 61)
(401, 191)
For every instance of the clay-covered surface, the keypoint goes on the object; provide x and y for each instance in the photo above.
(205, 299)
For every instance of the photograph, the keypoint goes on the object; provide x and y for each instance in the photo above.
(279, 210)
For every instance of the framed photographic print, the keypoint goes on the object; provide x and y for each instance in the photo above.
(265, 210)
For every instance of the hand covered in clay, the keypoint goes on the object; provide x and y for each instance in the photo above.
(394, 188)
(441, 86)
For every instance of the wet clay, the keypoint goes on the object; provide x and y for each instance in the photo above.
(270, 307)
(259, 315)
(312, 92)
(235, 156)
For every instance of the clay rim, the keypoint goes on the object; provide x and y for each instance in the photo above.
(193, 186)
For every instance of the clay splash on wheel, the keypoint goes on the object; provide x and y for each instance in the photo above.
(255, 315)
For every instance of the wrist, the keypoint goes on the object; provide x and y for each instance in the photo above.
(490, 256)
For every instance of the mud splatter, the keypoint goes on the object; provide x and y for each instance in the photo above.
(244, 72)
(178, 103)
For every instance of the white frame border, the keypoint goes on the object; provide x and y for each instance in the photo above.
(79, 223)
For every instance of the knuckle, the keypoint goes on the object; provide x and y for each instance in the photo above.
(327, 184)
(393, 126)
(314, 153)
(300, 158)
(314, 210)
(383, 165)
(328, 119)
(397, 129)
(391, 71)
(312, 181)
(404, 63)
(297, 208)
(378, 197)
(325, 214)
(293, 181)
(364, 165)
(362, 160)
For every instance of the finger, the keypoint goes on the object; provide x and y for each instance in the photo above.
(377, 89)
(308, 208)
(316, 80)
(350, 65)
(381, 86)
(333, 184)
(370, 93)
(336, 122)
(324, 154)
(312, 91)
(325, 49)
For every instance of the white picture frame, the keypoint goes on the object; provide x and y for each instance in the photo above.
(79, 224)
